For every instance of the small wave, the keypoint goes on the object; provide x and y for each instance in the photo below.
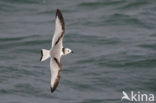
(47, 12)
(94, 40)
(123, 19)
(118, 18)
(148, 46)
(22, 41)
(22, 1)
(138, 63)
(135, 4)
(99, 4)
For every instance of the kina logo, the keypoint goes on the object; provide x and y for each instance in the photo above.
(137, 96)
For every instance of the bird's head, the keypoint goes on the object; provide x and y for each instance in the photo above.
(67, 51)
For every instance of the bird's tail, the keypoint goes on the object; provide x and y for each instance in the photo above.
(45, 54)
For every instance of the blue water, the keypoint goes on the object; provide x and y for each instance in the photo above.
(114, 44)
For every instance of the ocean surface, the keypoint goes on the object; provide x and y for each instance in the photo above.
(114, 44)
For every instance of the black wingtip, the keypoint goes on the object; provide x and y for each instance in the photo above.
(41, 55)
(60, 16)
(58, 12)
(52, 89)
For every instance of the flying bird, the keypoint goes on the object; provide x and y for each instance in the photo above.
(56, 51)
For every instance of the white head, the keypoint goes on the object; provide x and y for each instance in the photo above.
(66, 51)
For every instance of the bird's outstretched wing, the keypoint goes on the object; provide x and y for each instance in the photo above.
(59, 28)
(55, 68)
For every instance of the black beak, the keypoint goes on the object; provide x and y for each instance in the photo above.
(72, 52)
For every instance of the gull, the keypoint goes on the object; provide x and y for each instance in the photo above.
(56, 51)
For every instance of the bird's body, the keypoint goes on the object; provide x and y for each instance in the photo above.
(56, 51)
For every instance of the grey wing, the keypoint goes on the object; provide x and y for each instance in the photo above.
(55, 68)
(59, 28)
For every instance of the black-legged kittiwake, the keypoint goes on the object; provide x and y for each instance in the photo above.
(56, 52)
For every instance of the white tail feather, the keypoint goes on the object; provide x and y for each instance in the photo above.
(45, 54)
